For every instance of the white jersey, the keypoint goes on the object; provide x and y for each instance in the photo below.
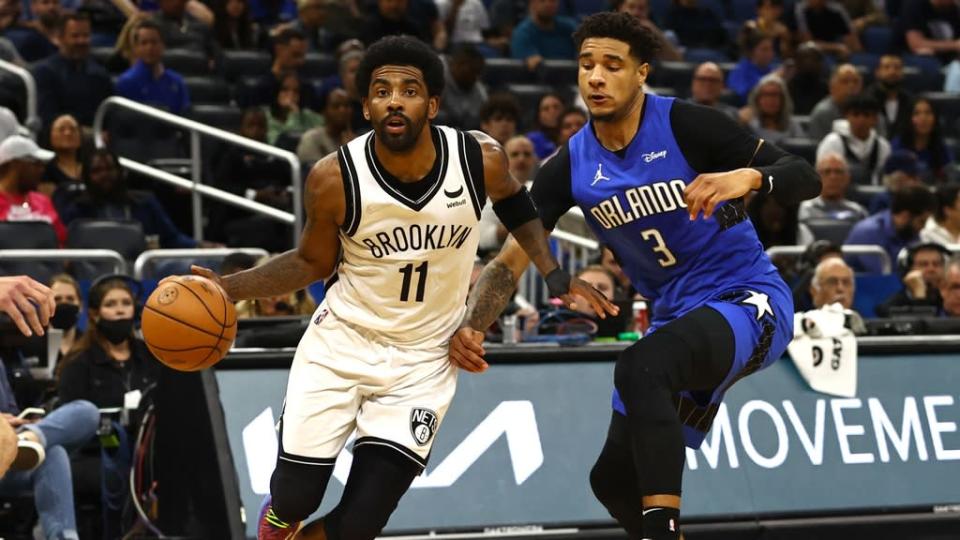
(405, 267)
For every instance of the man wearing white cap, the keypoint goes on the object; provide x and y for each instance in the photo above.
(21, 168)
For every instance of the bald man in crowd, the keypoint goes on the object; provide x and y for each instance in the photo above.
(832, 282)
(707, 86)
(844, 83)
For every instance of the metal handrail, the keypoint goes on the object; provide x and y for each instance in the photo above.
(846, 249)
(32, 122)
(196, 129)
(119, 265)
(151, 255)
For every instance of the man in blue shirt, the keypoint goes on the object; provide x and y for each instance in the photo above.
(543, 35)
(148, 81)
(892, 229)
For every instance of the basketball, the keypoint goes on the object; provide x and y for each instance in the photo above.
(188, 323)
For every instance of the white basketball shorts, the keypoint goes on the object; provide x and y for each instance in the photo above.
(343, 378)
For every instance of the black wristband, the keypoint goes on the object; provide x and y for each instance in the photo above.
(558, 282)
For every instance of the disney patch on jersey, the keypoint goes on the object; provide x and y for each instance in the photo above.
(423, 424)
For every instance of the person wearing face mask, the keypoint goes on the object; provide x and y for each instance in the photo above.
(66, 293)
(892, 229)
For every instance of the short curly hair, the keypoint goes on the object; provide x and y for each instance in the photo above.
(624, 27)
(401, 51)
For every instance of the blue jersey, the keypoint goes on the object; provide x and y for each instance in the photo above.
(634, 203)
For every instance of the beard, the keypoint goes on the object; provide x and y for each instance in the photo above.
(399, 142)
(906, 232)
(890, 86)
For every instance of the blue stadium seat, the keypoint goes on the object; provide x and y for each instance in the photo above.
(947, 105)
(583, 8)
(744, 10)
(124, 237)
(877, 39)
(219, 116)
(28, 235)
(677, 75)
(867, 60)
(930, 78)
(873, 289)
(288, 140)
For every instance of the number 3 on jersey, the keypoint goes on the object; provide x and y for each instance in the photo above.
(668, 259)
(407, 272)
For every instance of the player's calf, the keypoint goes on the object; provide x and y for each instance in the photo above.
(297, 489)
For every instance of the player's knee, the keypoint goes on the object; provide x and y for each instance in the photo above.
(641, 369)
(297, 489)
(606, 482)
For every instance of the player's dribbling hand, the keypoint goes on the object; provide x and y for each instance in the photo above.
(466, 350)
(28, 302)
(708, 190)
(202, 272)
(597, 300)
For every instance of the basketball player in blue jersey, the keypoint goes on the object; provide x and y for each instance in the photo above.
(661, 182)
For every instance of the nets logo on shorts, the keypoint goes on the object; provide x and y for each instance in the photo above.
(423, 424)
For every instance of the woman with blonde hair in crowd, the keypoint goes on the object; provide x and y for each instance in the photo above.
(769, 111)
(123, 56)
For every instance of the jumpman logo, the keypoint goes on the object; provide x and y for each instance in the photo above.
(599, 176)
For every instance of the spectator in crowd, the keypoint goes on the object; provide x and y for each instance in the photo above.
(66, 294)
(21, 166)
(237, 261)
(769, 111)
(285, 114)
(465, 20)
(42, 463)
(70, 82)
(641, 10)
(336, 131)
(707, 87)
(809, 83)
(921, 270)
(864, 13)
(543, 34)
(182, 30)
(107, 197)
(922, 135)
(944, 226)
(892, 229)
(696, 26)
(950, 288)
(46, 17)
(844, 83)
(149, 81)
(756, 61)
(887, 89)
(828, 25)
(544, 138)
(349, 55)
(832, 202)
(233, 27)
(289, 55)
(123, 50)
(391, 18)
(570, 123)
(64, 169)
(426, 13)
(608, 260)
(602, 280)
(312, 23)
(464, 93)
(258, 177)
(856, 137)
(31, 44)
(769, 21)
(900, 171)
(505, 15)
(285, 305)
(817, 251)
(832, 283)
(931, 27)
(522, 164)
(499, 116)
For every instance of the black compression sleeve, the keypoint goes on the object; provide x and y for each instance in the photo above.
(552, 191)
(711, 141)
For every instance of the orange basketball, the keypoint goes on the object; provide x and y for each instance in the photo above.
(188, 323)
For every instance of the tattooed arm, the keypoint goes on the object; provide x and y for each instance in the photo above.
(317, 254)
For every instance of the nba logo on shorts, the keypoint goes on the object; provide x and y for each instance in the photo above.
(423, 424)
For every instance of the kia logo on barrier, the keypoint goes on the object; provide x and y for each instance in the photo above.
(515, 420)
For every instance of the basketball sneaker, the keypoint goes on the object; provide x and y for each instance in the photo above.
(30, 454)
(273, 528)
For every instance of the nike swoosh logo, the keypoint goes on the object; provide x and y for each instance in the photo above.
(454, 194)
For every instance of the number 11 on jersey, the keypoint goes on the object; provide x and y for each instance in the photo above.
(407, 272)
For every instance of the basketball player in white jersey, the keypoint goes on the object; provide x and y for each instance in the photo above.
(391, 221)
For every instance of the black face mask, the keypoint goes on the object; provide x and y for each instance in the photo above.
(116, 331)
(65, 317)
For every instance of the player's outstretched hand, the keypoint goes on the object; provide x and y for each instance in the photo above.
(581, 290)
(466, 350)
(707, 191)
(28, 302)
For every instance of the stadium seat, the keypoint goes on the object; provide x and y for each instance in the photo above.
(582, 8)
(864, 194)
(288, 140)
(101, 54)
(700, 55)
(953, 172)
(124, 237)
(208, 90)
(186, 61)
(803, 147)
(237, 64)
(929, 78)
(947, 105)
(28, 235)
(559, 72)
(835, 231)
(877, 39)
(743, 10)
(218, 116)
(865, 60)
(528, 95)
(677, 75)
(859, 175)
(140, 138)
(500, 72)
(319, 65)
